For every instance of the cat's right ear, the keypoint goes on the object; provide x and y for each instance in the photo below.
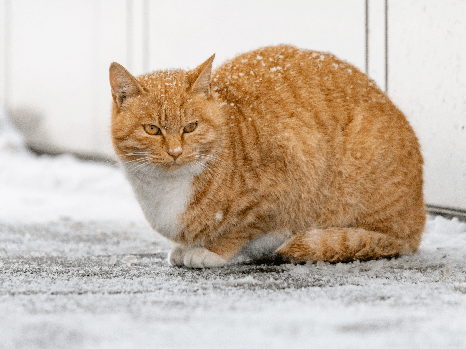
(124, 85)
(199, 78)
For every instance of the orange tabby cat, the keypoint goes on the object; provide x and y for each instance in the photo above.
(279, 151)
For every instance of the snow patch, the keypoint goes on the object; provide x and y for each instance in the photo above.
(246, 281)
(460, 287)
(129, 259)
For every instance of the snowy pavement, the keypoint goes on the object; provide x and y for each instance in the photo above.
(80, 268)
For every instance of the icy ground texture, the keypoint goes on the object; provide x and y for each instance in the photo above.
(80, 268)
(74, 284)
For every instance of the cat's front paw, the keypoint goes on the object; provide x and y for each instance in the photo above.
(196, 257)
(200, 257)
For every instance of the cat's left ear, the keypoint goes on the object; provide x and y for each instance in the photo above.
(124, 85)
(201, 76)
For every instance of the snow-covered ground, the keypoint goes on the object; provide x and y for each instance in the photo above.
(80, 268)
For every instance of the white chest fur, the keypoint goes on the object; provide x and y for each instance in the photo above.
(163, 196)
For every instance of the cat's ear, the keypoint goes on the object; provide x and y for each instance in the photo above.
(123, 84)
(200, 77)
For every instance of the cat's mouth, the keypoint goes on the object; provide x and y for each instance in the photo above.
(176, 165)
(171, 166)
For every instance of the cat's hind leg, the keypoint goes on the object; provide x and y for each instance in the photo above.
(342, 245)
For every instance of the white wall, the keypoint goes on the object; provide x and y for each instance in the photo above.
(3, 52)
(186, 33)
(427, 80)
(60, 51)
(59, 55)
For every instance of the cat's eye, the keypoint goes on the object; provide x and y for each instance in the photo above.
(152, 130)
(190, 127)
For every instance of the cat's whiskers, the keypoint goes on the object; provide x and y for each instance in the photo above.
(208, 170)
(214, 157)
(137, 168)
(136, 161)
(208, 161)
(143, 158)
(155, 158)
(139, 153)
(139, 158)
(204, 166)
(137, 164)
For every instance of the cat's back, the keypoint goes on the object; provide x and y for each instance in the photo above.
(286, 88)
(283, 73)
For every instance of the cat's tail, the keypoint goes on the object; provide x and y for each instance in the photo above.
(343, 245)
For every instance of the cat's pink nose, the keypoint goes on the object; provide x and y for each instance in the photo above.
(175, 152)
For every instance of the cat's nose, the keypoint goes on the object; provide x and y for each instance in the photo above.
(174, 153)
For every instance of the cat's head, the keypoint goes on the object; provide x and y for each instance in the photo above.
(168, 119)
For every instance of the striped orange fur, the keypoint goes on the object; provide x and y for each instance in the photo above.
(278, 151)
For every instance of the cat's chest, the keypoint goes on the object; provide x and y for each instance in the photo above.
(163, 198)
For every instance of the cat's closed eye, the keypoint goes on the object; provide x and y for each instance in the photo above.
(190, 127)
(152, 130)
